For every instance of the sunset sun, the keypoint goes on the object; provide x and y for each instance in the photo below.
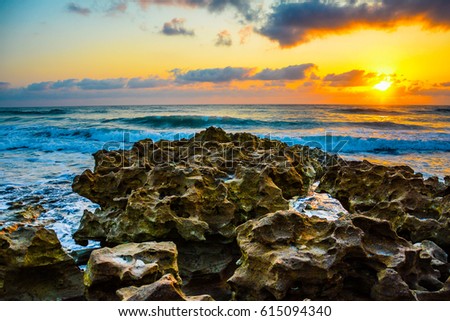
(383, 85)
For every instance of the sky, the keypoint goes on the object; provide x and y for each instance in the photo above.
(126, 52)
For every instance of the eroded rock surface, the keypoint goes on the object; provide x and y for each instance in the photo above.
(193, 189)
(166, 288)
(418, 209)
(33, 266)
(132, 264)
(288, 255)
(383, 234)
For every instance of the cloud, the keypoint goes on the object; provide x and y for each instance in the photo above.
(224, 39)
(244, 34)
(353, 78)
(103, 84)
(293, 23)
(117, 7)
(296, 72)
(216, 75)
(139, 83)
(76, 8)
(242, 6)
(176, 27)
(445, 84)
(4, 85)
(60, 84)
(40, 86)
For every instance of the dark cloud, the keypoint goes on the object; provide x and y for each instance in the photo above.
(224, 39)
(176, 27)
(296, 72)
(354, 78)
(445, 84)
(76, 8)
(40, 86)
(103, 84)
(60, 84)
(139, 83)
(292, 23)
(4, 85)
(216, 75)
(242, 6)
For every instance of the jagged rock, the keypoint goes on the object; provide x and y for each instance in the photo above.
(166, 288)
(255, 194)
(288, 255)
(321, 205)
(440, 295)
(33, 266)
(191, 189)
(109, 269)
(207, 265)
(414, 206)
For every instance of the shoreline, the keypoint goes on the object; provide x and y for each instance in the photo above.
(219, 191)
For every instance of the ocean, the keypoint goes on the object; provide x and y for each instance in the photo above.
(42, 149)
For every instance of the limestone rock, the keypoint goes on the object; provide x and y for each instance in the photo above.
(288, 255)
(33, 266)
(109, 269)
(208, 266)
(192, 189)
(166, 288)
(415, 207)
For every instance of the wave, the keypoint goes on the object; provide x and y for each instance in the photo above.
(349, 144)
(183, 121)
(34, 112)
(365, 111)
(89, 140)
(443, 110)
(200, 122)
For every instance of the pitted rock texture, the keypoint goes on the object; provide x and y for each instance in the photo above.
(166, 288)
(222, 196)
(33, 266)
(132, 264)
(418, 209)
(291, 256)
(193, 189)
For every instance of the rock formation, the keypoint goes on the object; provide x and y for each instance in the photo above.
(192, 189)
(381, 234)
(110, 269)
(291, 256)
(418, 209)
(33, 266)
(166, 288)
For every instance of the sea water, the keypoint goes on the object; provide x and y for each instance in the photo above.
(42, 149)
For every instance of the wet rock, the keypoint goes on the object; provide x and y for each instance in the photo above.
(191, 189)
(207, 266)
(33, 266)
(321, 205)
(255, 194)
(109, 269)
(414, 206)
(440, 295)
(288, 255)
(166, 288)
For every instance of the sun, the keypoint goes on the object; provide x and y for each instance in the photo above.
(383, 85)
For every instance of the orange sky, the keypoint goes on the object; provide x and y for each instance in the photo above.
(179, 52)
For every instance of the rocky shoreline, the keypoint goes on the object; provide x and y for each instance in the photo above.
(232, 216)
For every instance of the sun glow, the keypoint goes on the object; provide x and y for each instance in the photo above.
(383, 85)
